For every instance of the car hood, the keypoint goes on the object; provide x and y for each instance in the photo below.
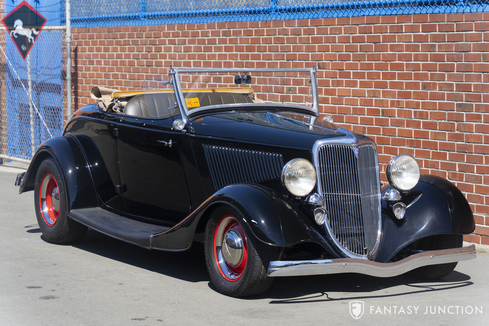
(291, 130)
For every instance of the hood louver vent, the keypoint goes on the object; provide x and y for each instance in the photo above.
(233, 165)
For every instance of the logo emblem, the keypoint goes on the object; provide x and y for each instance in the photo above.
(356, 309)
(24, 24)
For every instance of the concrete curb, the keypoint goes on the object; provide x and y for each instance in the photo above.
(479, 247)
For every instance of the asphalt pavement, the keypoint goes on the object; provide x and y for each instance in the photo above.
(102, 281)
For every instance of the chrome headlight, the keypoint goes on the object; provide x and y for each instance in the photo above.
(299, 177)
(403, 172)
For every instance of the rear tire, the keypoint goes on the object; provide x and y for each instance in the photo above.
(51, 203)
(445, 241)
(234, 265)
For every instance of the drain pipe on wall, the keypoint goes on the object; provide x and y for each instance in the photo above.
(68, 61)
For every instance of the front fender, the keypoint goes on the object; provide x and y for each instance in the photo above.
(74, 168)
(267, 217)
(441, 209)
(270, 218)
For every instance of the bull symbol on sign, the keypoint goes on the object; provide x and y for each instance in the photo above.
(20, 30)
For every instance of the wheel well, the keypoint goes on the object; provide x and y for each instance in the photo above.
(305, 251)
(30, 181)
(199, 231)
(432, 242)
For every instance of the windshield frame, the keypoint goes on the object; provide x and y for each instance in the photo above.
(185, 112)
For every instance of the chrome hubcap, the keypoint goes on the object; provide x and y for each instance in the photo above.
(55, 198)
(49, 199)
(230, 248)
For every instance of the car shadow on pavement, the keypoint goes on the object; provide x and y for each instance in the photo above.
(357, 287)
(188, 265)
(32, 229)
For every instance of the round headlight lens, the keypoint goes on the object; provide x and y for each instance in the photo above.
(299, 177)
(403, 172)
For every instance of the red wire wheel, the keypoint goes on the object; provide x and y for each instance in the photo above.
(51, 202)
(49, 199)
(237, 262)
(230, 250)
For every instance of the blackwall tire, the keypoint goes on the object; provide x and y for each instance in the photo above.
(235, 267)
(445, 241)
(51, 204)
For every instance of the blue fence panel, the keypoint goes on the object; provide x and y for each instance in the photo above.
(97, 13)
(18, 117)
(46, 67)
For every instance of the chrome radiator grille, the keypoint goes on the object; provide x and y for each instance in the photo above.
(350, 186)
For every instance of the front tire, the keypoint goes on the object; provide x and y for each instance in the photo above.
(51, 203)
(234, 265)
(444, 241)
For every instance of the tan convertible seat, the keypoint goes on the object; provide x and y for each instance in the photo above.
(216, 98)
(151, 105)
(157, 105)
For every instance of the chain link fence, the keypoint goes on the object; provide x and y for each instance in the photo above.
(31, 93)
(97, 13)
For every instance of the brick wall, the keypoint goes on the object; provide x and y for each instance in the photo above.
(417, 84)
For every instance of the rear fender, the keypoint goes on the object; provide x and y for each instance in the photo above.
(440, 208)
(75, 171)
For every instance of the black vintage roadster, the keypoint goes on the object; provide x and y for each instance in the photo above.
(241, 160)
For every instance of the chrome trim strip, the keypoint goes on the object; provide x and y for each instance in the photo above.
(190, 70)
(415, 200)
(366, 267)
(315, 94)
(234, 106)
(177, 88)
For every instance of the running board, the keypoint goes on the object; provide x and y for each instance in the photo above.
(117, 226)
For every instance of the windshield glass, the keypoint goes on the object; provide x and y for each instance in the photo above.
(201, 88)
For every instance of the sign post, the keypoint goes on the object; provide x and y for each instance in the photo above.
(31, 108)
(24, 24)
(68, 60)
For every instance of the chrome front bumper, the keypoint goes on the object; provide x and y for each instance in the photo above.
(372, 268)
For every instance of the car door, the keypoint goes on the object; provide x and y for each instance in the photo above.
(98, 137)
(152, 176)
